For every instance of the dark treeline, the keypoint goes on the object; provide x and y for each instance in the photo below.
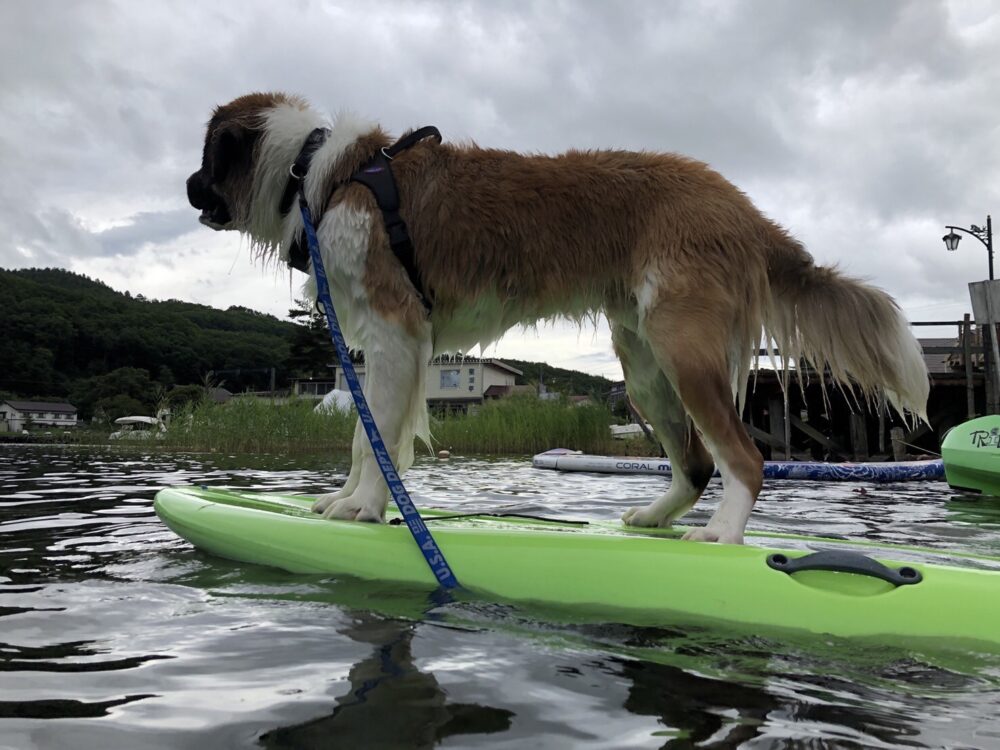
(66, 336)
(570, 382)
(62, 330)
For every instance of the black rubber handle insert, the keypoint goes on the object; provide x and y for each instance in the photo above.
(844, 561)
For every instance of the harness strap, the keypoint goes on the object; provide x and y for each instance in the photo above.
(376, 175)
(412, 139)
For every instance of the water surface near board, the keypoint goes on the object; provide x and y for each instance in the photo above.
(116, 634)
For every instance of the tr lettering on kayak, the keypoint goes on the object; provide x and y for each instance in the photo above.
(985, 439)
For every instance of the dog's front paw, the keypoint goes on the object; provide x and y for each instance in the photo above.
(644, 518)
(355, 508)
(708, 534)
(325, 501)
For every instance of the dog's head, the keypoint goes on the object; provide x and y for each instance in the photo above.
(223, 188)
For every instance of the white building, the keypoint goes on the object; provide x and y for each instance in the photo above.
(461, 381)
(453, 382)
(23, 415)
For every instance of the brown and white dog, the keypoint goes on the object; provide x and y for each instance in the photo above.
(686, 269)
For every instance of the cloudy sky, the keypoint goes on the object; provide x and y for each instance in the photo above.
(863, 127)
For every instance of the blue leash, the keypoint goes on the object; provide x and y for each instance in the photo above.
(421, 534)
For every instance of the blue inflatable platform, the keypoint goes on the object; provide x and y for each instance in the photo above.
(562, 459)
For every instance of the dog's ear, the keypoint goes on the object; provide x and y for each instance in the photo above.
(229, 149)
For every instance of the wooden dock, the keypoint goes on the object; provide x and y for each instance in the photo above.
(804, 422)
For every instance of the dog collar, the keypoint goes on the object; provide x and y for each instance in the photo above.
(300, 167)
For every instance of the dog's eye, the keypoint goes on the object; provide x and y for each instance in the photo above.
(224, 154)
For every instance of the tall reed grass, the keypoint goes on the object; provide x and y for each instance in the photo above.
(519, 425)
(526, 425)
(256, 425)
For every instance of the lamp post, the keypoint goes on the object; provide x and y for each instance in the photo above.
(986, 314)
(984, 235)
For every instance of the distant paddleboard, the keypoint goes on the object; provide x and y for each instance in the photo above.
(563, 459)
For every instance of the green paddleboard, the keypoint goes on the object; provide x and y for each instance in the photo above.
(634, 576)
(971, 455)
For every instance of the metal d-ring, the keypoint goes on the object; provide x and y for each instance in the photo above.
(291, 171)
(385, 153)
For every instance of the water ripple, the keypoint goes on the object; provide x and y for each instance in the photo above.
(105, 614)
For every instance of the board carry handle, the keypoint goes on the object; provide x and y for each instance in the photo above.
(845, 561)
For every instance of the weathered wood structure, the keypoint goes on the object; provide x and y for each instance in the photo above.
(814, 418)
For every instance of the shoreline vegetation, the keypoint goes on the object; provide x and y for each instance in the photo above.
(517, 425)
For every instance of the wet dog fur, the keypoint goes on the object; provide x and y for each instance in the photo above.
(686, 269)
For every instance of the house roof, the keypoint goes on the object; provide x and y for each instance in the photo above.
(447, 360)
(502, 366)
(53, 406)
(219, 395)
(460, 360)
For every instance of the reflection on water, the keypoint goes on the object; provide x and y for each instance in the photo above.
(391, 702)
(114, 633)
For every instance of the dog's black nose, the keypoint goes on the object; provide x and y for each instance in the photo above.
(199, 194)
(214, 211)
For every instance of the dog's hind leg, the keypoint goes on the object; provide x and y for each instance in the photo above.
(656, 400)
(690, 341)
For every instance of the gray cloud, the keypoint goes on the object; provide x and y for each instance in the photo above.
(863, 127)
(153, 227)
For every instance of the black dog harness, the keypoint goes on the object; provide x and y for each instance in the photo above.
(376, 175)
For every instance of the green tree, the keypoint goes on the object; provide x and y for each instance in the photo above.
(182, 395)
(165, 376)
(103, 391)
(310, 352)
(113, 407)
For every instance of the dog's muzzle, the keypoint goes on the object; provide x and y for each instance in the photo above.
(214, 211)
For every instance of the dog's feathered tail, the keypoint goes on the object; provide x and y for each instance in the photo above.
(854, 329)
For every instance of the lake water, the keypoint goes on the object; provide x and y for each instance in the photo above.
(116, 634)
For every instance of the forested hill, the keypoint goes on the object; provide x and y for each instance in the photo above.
(66, 336)
(565, 381)
(59, 328)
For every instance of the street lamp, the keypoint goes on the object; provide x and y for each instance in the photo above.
(984, 235)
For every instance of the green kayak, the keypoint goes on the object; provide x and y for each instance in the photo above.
(971, 455)
(634, 576)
